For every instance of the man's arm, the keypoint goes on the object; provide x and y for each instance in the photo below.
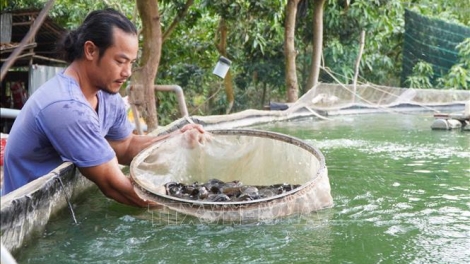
(113, 183)
(129, 147)
(109, 177)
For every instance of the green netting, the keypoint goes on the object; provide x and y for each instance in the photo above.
(433, 41)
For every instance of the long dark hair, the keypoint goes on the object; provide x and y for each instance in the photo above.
(98, 28)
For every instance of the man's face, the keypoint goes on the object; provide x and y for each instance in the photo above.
(115, 66)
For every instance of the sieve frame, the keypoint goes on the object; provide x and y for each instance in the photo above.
(168, 199)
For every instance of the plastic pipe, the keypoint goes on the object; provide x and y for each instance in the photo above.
(179, 95)
(9, 113)
(161, 88)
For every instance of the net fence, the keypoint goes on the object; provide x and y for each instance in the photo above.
(338, 96)
(433, 41)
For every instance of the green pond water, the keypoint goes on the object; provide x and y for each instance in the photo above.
(401, 194)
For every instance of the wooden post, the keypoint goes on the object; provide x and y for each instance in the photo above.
(358, 62)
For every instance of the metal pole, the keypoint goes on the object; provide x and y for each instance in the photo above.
(179, 96)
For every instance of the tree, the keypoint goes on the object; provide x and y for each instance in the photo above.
(228, 13)
(178, 18)
(143, 78)
(252, 33)
(221, 44)
(290, 52)
(317, 43)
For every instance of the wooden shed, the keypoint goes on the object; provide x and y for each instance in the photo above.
(39, 51)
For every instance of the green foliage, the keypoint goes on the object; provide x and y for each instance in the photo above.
(167, 108)
(455, 11)
(458, 76)
(256, 43)
(464, 52)
(384, 25)
(70, 13)
(7, 5)
(255, 39)
(422, 73)
(383, 22)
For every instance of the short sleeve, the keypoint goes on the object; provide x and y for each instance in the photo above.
(73, 129)
(120, 127)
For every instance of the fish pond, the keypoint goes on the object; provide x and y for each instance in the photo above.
(401, 194)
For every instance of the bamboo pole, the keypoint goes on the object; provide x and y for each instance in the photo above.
(358, 62)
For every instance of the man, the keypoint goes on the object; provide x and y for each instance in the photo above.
(78, 115)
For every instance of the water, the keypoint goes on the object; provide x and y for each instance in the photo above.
(401, 193)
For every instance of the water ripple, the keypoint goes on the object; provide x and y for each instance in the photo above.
(422, 152)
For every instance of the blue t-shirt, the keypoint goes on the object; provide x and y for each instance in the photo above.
(57, 124)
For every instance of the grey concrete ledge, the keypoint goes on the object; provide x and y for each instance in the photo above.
(26, 211)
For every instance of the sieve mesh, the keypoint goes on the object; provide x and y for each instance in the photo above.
(252, 157)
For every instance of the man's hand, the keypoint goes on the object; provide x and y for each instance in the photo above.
(129, 147)
(114, 184)
(193, 126)
(194, 134)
